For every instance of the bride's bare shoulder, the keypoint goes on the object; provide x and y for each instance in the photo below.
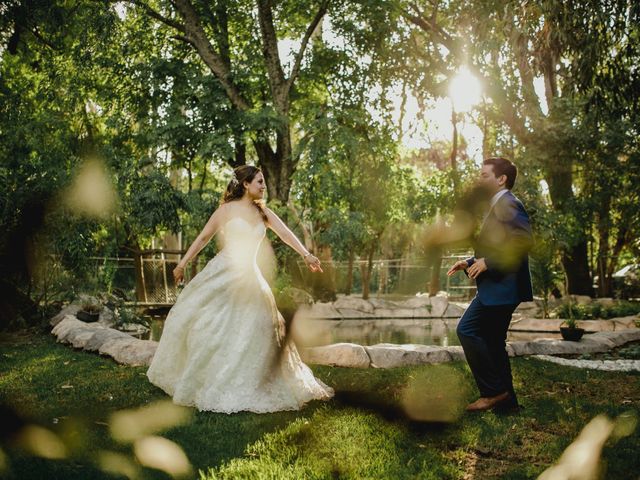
(224, 211)
(229, 208)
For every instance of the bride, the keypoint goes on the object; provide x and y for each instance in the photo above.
(223, 347)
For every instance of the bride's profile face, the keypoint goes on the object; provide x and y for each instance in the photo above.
(256, 188)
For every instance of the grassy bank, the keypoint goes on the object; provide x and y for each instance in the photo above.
(361, 434)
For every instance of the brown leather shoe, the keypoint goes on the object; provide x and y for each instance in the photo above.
(487, 403)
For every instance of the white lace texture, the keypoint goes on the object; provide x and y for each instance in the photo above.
(219, 350)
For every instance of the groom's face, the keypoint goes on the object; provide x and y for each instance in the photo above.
(489, 180)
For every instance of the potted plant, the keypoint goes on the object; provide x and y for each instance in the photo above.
(89, 312)
(571, 332)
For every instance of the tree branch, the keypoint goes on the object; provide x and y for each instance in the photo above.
(36, 33)
(157, 15)
(271, 56)
(521, 51)
(430, 25)
(221, 30)
(498, 93)
(197, 37)
(305, 40)
(495, 91)
(184, 39)
(622, 239)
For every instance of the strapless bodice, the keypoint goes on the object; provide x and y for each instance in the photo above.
(241, 240)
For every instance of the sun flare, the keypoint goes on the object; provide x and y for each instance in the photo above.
(465, 90)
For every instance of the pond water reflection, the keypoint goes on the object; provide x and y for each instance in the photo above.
(439, 332)
(398, 331)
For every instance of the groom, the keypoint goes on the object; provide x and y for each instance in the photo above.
(500, 267)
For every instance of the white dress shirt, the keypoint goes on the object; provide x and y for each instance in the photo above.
(494, 200)
(497, 196)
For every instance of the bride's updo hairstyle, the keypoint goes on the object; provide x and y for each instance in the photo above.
(235, 189)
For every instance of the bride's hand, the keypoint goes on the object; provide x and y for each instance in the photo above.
(178, 274)
(313, 263)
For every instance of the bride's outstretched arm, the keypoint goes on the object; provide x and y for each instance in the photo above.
(210, 229)
(288, 237)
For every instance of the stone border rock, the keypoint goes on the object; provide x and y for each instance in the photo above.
(94, 337)
(351, 306)
(125, 349)
(527, 324)
(390, 355)
(106, 319)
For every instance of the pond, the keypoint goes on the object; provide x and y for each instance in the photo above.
(438, 332)
(398, 331)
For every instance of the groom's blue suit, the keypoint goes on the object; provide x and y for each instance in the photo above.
(504, 242)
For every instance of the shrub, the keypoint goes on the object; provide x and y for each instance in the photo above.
(596, 310)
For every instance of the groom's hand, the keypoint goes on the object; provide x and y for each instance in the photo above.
(477, 268)
(459, 265)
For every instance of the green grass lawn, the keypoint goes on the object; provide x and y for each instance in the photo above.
(361, 434)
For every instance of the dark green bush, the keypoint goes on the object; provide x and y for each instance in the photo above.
(596, 310)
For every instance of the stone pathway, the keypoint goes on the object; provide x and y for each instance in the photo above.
(609, 365)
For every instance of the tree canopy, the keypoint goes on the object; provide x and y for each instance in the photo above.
(163, 98)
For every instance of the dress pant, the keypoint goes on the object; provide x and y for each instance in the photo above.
(482, 331)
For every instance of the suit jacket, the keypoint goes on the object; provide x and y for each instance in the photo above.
(504, 242)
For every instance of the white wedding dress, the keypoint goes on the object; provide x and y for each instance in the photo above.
(220, 349)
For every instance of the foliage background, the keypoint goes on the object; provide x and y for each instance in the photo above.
(127, 90)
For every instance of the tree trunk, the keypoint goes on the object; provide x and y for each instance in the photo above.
(189, 176)
(383, 279)
(575, 261)
(349, 284)
(575, 258)
(324, 284)
(220, 24)
(366, 277)
(603, 247)
(140, 291)
(277, 166)
(622, 239)
(485, 131)
(132, 245)
(13, 305)
(454, 151)
(170, 240)
(203, 180)
(240, 156)
(434, 281)
(604, 283)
